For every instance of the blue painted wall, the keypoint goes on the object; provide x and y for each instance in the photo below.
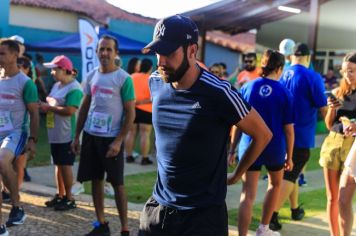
(140, 32)
(4, 17)
(215, 54)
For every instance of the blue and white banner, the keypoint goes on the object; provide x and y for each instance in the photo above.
(88, 42)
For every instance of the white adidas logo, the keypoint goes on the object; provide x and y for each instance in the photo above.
(196, 105)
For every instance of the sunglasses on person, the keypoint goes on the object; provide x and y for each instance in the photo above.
(248, 61)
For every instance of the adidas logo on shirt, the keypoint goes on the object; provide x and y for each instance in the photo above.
(196, 106)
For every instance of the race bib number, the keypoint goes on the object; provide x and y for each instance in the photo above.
(100, 122)
(50, 119)
(5, 121)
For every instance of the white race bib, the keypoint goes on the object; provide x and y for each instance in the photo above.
(5, 121)
(100, 122)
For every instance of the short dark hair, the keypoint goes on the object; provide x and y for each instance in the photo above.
(28, 56)
(223, 65)
(271, 61)
(109, 37)
(131, 66)
(251, 54)
(24, 61)
(11, 44)
(146, 65)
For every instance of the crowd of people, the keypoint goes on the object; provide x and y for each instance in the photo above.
(202, 119)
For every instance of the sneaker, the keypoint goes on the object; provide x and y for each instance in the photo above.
(100, 229)
(16, 217)
(5, 196)
(26, 177)
(3, 231)
(108, 190)
(65, 204)
(146, 161)
(302, 181)
(130, 159)
(125, 233)
(54, 201)
(298, 213)
(77, 188)
(262, 231)
(274, 223)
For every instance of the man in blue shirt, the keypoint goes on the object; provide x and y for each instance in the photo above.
(307, 88)
(192, 114)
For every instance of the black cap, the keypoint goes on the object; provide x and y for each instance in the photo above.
(301, 49)
(172, 32)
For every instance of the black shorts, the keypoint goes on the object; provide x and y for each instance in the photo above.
(300, 158)
(158, 220)
(268, 167)
(62, 154)
(143, 117)
(93, 164)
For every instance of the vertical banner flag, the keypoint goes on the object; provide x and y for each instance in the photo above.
(88, 41)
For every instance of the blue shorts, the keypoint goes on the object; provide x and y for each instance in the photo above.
(14, 141)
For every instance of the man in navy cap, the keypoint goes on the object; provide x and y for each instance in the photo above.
(193, 111)
(307, 88)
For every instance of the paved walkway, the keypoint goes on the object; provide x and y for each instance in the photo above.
(43, 221)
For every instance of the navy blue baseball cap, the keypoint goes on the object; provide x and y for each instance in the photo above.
(301, 49)
(172, 32)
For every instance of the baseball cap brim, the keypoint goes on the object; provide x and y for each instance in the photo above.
(50, 65)
(161, 47)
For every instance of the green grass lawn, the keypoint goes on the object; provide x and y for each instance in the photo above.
(138, 187)
(43, 152)
(314, 203)
(321, 127)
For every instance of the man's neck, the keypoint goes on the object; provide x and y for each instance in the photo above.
(108, 69)
(189, 78)
(11, 70)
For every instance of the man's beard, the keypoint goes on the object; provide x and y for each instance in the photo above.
(169, 75)
(249, 67)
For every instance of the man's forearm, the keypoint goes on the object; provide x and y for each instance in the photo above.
(34, 123)
(82, 116)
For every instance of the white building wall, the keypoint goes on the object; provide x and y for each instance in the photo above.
(43, 18)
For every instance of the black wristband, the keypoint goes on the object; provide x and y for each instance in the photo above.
(32, 138)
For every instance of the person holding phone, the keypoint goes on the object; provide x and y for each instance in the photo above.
(336, 146)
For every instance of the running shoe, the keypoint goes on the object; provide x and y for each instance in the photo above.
(17, 216)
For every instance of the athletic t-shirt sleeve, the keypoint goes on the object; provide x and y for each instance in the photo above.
(73, 98)
(233, 107)
(30, 94)
(127, 90)
(318, 91)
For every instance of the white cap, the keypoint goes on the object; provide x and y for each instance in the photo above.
(18, 39)
(286, 47)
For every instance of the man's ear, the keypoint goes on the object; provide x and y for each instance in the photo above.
(192, 51)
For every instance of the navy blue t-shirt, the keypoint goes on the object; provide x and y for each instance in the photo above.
(192, 128)
(274, 103)
(307, 88)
